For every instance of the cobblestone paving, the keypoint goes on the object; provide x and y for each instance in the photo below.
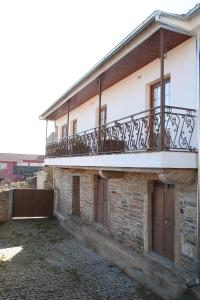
(54, 265)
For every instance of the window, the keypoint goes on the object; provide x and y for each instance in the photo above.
(74, 126)
(155, 93)
(56, 133)
(63, 134)
(156, 140)
(3, 166)
(103, 116)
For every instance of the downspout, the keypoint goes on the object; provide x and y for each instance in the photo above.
(46, 129)
(196, 35)
(198, 161)
(162, 96)
(46, 135)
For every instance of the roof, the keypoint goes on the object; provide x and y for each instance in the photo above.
(20, 157)
(192, 11)
(115, 50)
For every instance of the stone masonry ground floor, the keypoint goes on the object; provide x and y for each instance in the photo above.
(45, 262)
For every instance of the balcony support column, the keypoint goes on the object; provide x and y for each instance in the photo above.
(67, 130)
(99, 121)
(67, 123)
(162, 90)
(99, 116)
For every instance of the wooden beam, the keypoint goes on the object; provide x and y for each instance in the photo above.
(111, 174)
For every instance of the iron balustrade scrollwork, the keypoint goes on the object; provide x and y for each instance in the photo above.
(138, 132)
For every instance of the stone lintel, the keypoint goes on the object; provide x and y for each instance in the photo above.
(183, 176)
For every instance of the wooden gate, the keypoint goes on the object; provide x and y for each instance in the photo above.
(163, 219)
(32, 203)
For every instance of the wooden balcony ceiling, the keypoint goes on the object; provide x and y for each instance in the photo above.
(142, 55)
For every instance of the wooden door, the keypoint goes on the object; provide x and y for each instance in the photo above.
(163, 219)
(76, 195)
(101, 203)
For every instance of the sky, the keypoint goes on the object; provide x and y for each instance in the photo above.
(47, 45)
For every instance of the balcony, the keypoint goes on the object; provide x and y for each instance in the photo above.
(170, 129)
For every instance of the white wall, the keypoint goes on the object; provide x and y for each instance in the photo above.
(85, 115)
(36, 164)
(132, 94)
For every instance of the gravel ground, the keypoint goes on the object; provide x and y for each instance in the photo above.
(45, 262)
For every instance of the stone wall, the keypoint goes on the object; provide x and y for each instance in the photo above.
(45, 178)
(186, 225)
(31, 182)
(87, 198)
(130, 211)
(4, 206)
(63, 190)
(127, 197)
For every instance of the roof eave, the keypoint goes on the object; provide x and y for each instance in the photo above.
(107, 57)
(102, 62)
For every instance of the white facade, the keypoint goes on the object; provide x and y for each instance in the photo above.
(132, 94)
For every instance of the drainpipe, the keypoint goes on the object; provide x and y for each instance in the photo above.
(162, 96)
(46, 135)
(198, 161)
(46, 129)
(178, 29)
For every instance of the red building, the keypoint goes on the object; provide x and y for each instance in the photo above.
(19, 166)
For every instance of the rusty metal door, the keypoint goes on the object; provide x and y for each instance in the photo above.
(101, 203)
(76, 195)
(163, 219)
(32, 203)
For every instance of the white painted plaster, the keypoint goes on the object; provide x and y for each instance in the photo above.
(131, 160)
(131, 95)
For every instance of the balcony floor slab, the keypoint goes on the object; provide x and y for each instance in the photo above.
(162, 159)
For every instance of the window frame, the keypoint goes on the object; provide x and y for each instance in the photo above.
(155, 85)
(73, 126)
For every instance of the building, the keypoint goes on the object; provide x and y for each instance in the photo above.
(14, 167)
(132, 178)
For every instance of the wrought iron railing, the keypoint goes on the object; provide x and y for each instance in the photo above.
(138, 132)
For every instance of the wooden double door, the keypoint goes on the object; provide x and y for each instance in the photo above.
(101, 202)
(163, 219)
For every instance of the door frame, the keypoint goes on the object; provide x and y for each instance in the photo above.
(154, 85)
(148, 226)
(105, 226)
(76, 205)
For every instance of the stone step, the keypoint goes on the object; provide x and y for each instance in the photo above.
(195, 293)
(147, 281)
(157, 278)
(165, 278)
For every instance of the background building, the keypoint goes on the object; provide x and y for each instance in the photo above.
(14, 167)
